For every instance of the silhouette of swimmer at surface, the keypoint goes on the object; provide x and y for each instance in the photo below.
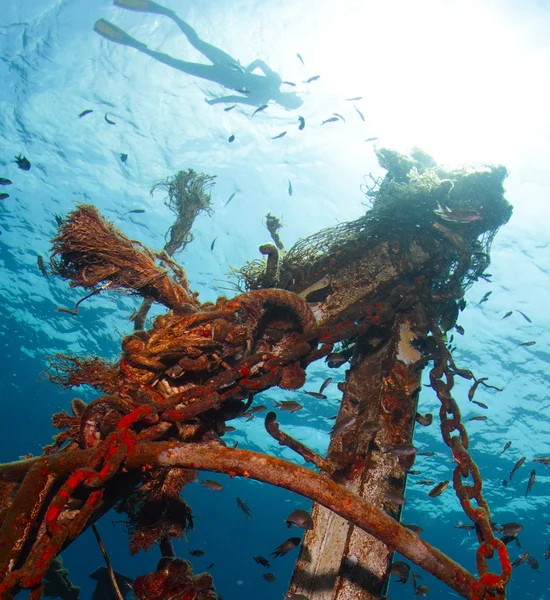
(254, 89)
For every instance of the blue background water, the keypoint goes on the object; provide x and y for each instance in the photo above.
(466, 81)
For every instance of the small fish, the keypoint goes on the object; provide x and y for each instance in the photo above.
(459, 329)
(371, 139)
(505, 482)
(262, 561)
(269, 577)
(326, 383)
(288, 405)
(508, 314)
(302, 122)
(228, 108)
(209, 566)
(413, 472)
(276, 137)
(301, 59)
(259, 109)
(472, 390)
(58, 220)
(339, 116)
(360, 113)
(438, 489)
(3, 196)
(136, 211)
(543, 460)
(517, 466)
(395, 496)
(316, 395)
(285, 547)
(480, 404)
(108, 120)
(123, 157)
(402, 450)
(530, 482)
(257, 409)
(211, 484)
(196, 552)
(425, 453)
(289, 188)
(85, 112)
(354, 99)
(464, 526)
(531, 343)
(533, 562)
(477, 418)
(425, 482)
(342, 425)
(4, 181)
(336, 360)
(42, 267)
(289, 83)
(330, 120)
(485, 298)
(457, 216)
(212, 244)
(414, 528)
(521, 559)
(401, 570)
(510, 529)
(547, 554)
(22, 163)
(244, 508)
(300, 518)
(422, 590)
(524, 316)
(314, 78)
(230, 198)
(231, 139)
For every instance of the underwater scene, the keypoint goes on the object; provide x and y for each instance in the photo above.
(274, 278)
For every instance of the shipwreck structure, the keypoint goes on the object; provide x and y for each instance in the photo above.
(378, 293)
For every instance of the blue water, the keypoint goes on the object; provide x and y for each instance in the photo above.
(466, 81)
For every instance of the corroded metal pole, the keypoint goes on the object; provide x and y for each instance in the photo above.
(337, 560)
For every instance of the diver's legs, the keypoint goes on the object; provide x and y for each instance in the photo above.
(115, 34)
(142, 6)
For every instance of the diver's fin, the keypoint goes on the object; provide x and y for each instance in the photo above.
(142, 6)
(115, 34)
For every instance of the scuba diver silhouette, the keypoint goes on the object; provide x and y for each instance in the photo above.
(254, 89)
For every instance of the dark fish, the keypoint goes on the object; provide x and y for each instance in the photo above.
(231, 139)
(302, 122)
(3, 196)
(464, 526)
(108, 120)
(354, 99)
(508, 314)
(401, 450)
(227, 109)
(285, 547)
(457, 216)
(517, 465)
(401, 570)
(42, 267)
(257, 409)
(533, 562)
(342, 425)
(425, 482)
(330, 120)
(262, 561)
(510, 529)
(472, 390)
(288, 405)
(58, 220)
(395, 496)
(414, 528)
(480, 404)
(123, 157)
(4, 181)
(543, 460)
(336, 360)
(531, 482)
(301, 59)
(244, 508)
(259, 109)
(524, 316)
(547, 554)
(425, 453)
(210, 484)
(314, 78)
(371, 139)
(532, 343)
(209, 566)
(22, 163)
(520, 559)
(276, 137)
(230, 198)
(422, 590)
(325, 384)
(459, 329)
(414, 472)
(485, 298)
(196, 552)
(289, 188)
(85, 112)
(212, 244)
(504, 482)
(360, 113)
(269, 577)
(136, 211)
(339, 116)
(289, 83)
(316, 395)
(300, 518)
(477, 418)
(438, 489)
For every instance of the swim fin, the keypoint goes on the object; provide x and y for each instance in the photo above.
(115, 34)
(142, 6)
